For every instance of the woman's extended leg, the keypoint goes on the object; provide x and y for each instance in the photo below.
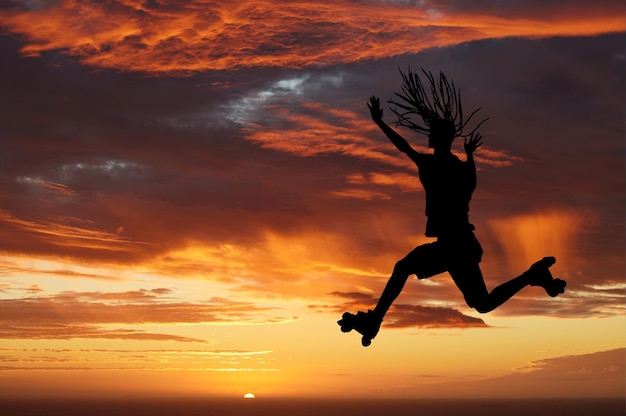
(392, 290)
(424, 261)
(470, 281)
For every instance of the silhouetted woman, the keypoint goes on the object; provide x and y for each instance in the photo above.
(448, 185)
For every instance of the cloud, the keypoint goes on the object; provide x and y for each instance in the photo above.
(113, 170)
(576, 303)
(70, 331)
(599, 374)
(294, 125)
(70, 232)
(316, 130)
(71, 359)
(408, 316)
(186, 37)
(595, 375)
(70, 315)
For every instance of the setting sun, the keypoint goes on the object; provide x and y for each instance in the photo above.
(249, 396)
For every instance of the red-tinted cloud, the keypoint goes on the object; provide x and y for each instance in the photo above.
(182, 37)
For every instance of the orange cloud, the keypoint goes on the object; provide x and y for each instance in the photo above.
(86, 314)
(69, 234)
(183, 37)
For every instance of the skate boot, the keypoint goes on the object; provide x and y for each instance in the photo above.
(365, 323)
(539, 275)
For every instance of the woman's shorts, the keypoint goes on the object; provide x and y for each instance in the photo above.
(456, 252)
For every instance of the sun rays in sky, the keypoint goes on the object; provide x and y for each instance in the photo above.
(192, 192)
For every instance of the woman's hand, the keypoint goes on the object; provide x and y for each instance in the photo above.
(375, 110)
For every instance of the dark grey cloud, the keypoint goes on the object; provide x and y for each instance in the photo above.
(153, 163)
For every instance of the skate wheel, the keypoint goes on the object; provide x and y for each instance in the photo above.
(345, 328)
(540, 274)
(344, 323)
(556, 287)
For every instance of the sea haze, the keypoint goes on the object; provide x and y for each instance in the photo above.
(311, 407)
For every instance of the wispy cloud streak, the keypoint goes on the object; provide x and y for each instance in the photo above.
(70, 315)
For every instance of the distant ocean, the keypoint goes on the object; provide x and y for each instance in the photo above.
(310, 407)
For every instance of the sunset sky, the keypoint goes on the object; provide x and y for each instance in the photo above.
(193, 192)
